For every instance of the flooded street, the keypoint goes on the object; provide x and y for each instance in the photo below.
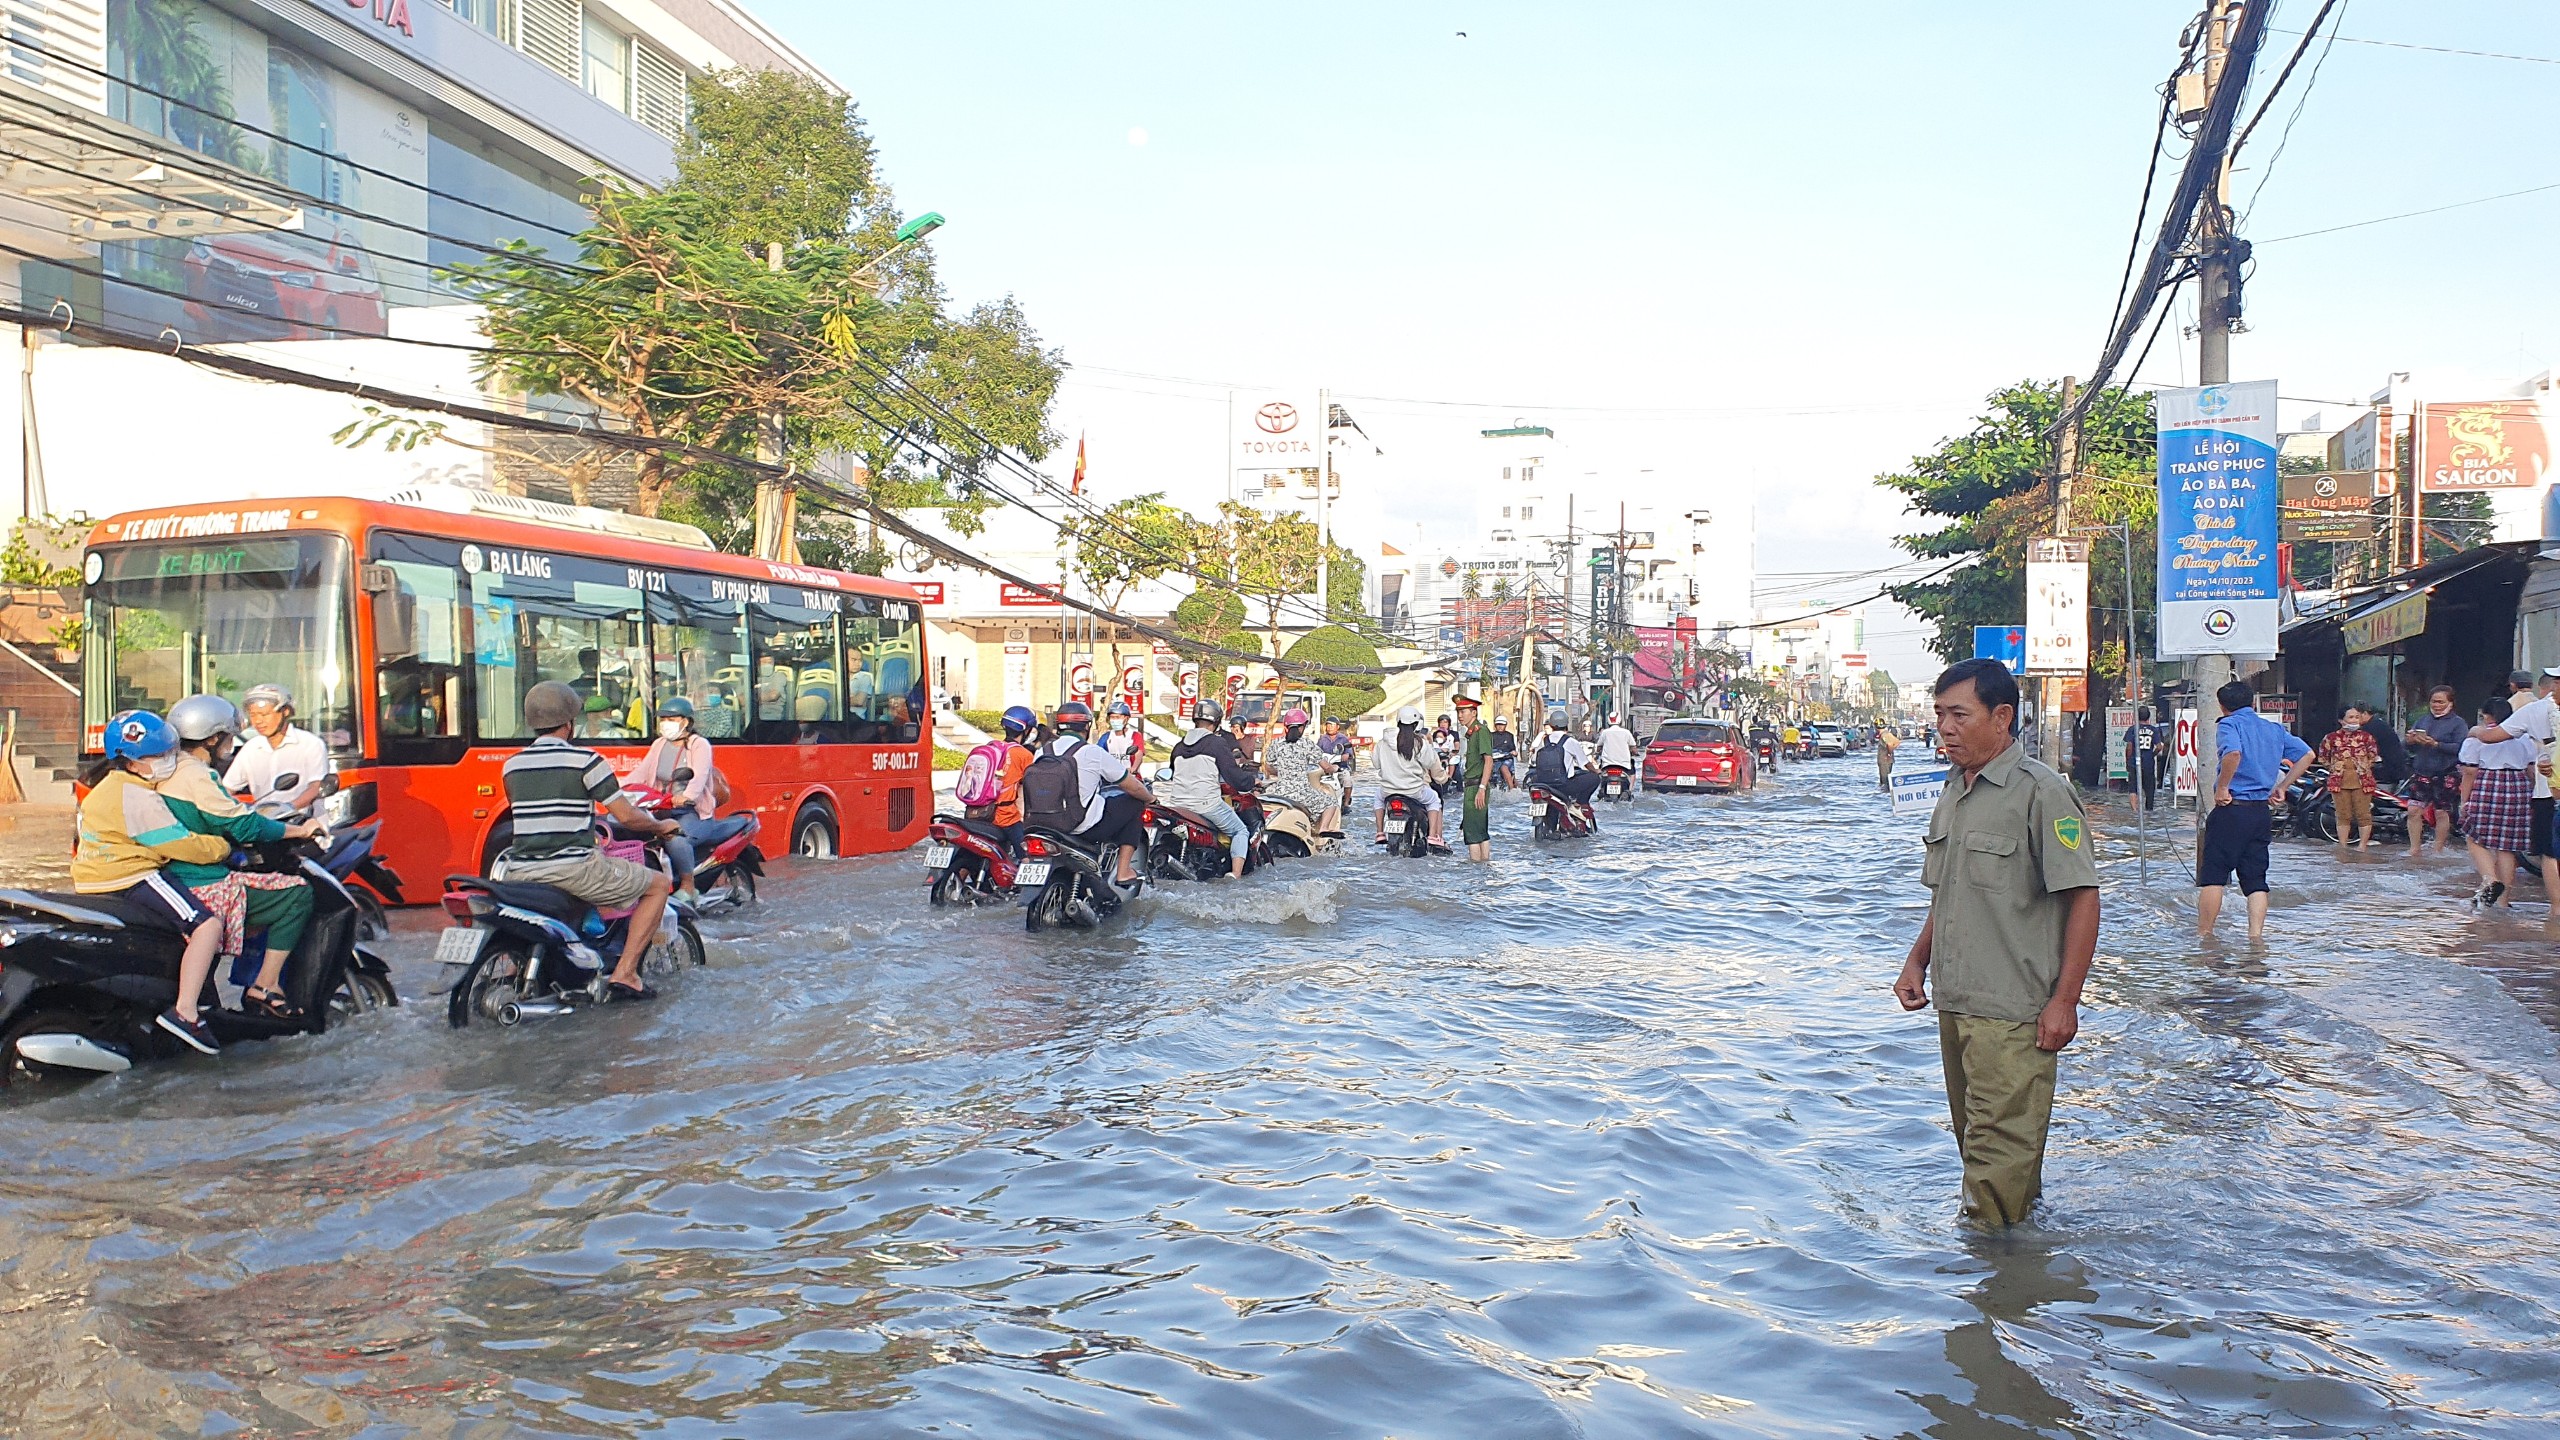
(1618, 1138)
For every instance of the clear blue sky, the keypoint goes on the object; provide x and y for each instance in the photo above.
(1876, 212)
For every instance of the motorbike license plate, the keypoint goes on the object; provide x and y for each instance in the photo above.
(1684, 780)
(937, 857)
(460, 945)
(1030, 873)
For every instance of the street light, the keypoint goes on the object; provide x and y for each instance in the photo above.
(921, 226)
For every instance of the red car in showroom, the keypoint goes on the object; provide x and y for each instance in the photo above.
(1698, 755)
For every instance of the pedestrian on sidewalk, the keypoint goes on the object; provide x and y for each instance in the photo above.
(2259, 758)
(2351, 757)
(2497, 800)
(1888, 740)
(2435, 754)
(2012, 928)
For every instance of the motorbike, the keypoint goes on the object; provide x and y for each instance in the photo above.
(1767, 751)
(1289, 831)
(1182, 846)
(87, 975)
(1616, 783)
(1408, 827)
(1257, 826)
(1066, 881)
(1559, 818)
(355, 830)
(968, 861)
(519, 950)
(726, 877)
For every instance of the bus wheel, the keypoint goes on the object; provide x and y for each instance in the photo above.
(501, 835)
(813, 833)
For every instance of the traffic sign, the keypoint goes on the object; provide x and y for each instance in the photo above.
(2004, 643)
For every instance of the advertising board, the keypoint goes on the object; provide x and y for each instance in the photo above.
(2058, 608)
(2336, 505)
(2482, 445)
(2218, 520)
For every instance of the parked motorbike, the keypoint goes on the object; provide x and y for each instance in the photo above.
(2312, 812)
(1066, 881)
(521, 951)
(1559, 818)
(86, 975)
(1616, 783)
(968, 861)
(1408, 827)
(726, 877)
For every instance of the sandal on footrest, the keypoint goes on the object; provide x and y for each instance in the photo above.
(258, 1000)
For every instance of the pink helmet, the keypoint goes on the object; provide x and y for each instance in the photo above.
(1293, 716)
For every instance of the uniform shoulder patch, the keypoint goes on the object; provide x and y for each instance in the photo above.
(2067, 830)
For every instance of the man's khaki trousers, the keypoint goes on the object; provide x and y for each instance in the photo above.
(2000, 1095)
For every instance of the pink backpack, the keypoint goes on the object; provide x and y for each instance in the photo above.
(982, 775)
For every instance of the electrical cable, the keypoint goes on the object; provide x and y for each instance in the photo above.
(2142, 212)
(2442, 49)
(2311, 82)
(2411, 214)
(2267, 101)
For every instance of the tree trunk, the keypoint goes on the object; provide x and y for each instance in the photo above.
(650, 484)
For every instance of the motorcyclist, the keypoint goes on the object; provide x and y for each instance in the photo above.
(1506, 753)
(1205, 765)
(1125, 741)
(1114, 817)
(1617, 746)
(700, 826)
(128, 839)
(553, 788)
(1561, 764)
(247, 900)
(1021, 734)
(1794, 739)
(276, 746)
(1301, 773)
(1410, 766)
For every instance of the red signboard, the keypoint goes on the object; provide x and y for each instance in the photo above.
(1025, 596)
(928, 591)
(2486, 445)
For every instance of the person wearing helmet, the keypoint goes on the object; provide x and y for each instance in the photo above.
(700, 826)
(128, 837)
(1561, 764)
(248, 901)
(553, 788)
(1506, 754)
(1206, 765)
(1021, 734)
(1617, 746)
(1125, 739)
(1301, 773)
(276, 746)
(1409, 765)
(1115, 799)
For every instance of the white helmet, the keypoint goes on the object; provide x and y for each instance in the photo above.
(1409, 715)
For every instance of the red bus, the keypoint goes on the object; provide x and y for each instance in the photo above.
(410, 629)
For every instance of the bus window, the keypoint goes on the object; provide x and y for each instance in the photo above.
(799, 697)
(219, 616)
(418, 640)
(883, 669)
(585, 634)
(698, 648)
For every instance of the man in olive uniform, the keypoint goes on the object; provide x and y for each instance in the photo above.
(1475, 816)
(2013, 924)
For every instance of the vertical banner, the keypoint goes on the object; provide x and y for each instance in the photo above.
(1017, 666)
(2119, 721)
(1080, 677)
(1165, 689)
(1133, 685)
(2057, 607)
(2218, 520)
(1186, 695)
(2184, 755)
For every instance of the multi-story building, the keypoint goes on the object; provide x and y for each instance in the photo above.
(297, 176)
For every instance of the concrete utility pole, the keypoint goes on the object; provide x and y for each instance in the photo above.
(2067, 465)
(777, 501)
(2217, 270)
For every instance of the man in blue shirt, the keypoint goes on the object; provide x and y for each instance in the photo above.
(2259, 757)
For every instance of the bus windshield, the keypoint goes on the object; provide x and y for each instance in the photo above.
(217, 617)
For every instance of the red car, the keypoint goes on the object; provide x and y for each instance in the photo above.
(1698, 755)
(270, 285)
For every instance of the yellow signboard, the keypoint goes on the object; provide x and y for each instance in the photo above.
(2389, 625)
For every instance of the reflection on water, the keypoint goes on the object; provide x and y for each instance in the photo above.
(1617, 1138)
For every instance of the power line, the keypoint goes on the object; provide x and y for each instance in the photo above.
(2285, 137)
(2411, 214)
(2268, 101)
(2435, 49)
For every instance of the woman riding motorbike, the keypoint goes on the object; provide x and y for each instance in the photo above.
(1409, 765)
(1299, 772)
(700, 827)
(129, 837)
(247, 900)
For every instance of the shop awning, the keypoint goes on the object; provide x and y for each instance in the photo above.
(2396, 617)
(102, 179)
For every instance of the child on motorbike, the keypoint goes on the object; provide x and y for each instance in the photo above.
(128, 838)
(246, 900)
(1021, 733)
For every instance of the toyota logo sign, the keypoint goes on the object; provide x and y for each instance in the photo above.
(1277, 418)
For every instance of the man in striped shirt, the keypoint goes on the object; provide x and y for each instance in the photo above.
(553, 788)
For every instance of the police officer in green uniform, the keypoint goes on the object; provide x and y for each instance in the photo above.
(1475, 816)
(2013, 924)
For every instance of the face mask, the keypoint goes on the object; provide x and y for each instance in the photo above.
(671, 729)
(1119, 722)
(160, 767)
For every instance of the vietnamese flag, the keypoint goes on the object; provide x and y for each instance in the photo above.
(1076, 485)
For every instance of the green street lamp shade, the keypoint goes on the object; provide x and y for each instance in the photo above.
(921, 226)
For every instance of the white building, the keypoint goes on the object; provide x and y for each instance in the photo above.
(284, 180)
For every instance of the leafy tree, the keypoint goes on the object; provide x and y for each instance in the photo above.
(783, 160)
(1211, 618)
(1345, 695)
(1994, 487)
(1129, 543)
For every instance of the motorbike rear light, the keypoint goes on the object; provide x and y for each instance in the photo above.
(467, 905)
(1035, 846)
(1147, 817)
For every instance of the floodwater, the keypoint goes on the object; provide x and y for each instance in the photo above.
(1616, 1138)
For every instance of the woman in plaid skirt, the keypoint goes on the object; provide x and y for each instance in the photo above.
(2497, 803)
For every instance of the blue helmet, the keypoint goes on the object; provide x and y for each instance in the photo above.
(1020, 720)
(139, 735)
